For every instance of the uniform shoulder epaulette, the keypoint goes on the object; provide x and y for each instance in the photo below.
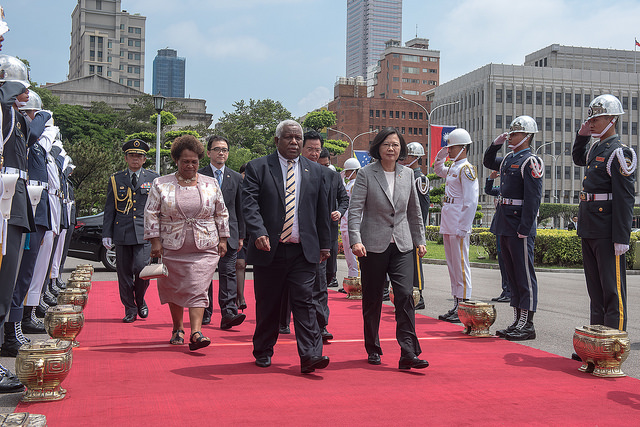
(469, 172)
(627, 165)
(535, 164)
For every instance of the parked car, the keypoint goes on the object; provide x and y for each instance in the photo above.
(86, 242)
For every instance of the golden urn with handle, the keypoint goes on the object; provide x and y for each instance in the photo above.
(477, 317)
(64, 321)
(42, 366)
(602, 350)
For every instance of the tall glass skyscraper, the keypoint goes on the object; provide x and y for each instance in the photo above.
(168, 74)
(370, 24)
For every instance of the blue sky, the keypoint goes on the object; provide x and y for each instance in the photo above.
(293, 51)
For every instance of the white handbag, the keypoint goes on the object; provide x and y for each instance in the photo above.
(154, 271)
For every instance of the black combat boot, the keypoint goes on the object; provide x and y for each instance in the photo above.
(524, 329)
(30, 323)
(511, 327)
(11, 344)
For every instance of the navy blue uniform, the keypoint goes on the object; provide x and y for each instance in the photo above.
(604, 218)
(490, 190)
(521, 192)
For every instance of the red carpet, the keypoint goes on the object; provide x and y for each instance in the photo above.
(128, 374)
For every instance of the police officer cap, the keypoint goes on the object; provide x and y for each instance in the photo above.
(135, 146)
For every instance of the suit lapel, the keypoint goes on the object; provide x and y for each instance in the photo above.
(276, 173)
(382, 179)
(304, 174)
(398, 177)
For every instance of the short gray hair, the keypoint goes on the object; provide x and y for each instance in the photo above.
(284, 123)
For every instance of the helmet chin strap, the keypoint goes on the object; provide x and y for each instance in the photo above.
(611, 123)
(350, 175)
(513, 147)
(456, 158)
(414, 160)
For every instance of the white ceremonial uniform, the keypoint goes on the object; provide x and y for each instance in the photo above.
(458, 211)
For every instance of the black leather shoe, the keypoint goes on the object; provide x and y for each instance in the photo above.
(451, 316)
(284, 330)
(228, 321)
(333, 283)
(143, 311)
(49, 299)
(342, 291)
(528, 332)
(10, 384)
(374, 359)
(412, 362)
(316, 362)
(446, 315)
(206, 319)
(10, 348)
(129, 318)
(263, 361)
(31, 327)
(503, 298)
(420, 305)
(575, 356)
(326, 335)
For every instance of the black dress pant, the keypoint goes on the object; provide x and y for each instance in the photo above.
(130, 260)
(25, 273)
(374, 269)
(517, 255)
(227, 286)
(289, 272)
(9, 268)
(606, 276)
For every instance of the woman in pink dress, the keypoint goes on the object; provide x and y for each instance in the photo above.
(186, 221)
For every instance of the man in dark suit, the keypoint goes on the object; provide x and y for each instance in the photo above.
(230, 183)
(287, 217)
(123, 226)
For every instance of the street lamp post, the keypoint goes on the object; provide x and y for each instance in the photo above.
(158, 103)
(352, 141)
(429, 114)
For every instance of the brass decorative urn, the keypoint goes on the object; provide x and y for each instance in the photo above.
(602, 350)
(477, 317)
(19, 419)
(415, 294)
(75, 296)
(82, 282)
(85, 267)
(64, 321)
(42, 366)
(353, 287)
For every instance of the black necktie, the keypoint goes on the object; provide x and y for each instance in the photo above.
(134, 180)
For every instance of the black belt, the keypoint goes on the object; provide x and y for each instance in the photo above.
(595, 197)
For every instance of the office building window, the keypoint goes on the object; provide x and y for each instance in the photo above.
(538, 98)
(377, 113)
(370, 113)
(567, 125)
(109, 44)
(396, 67)
(498, 122)
(634, 128)
(567, 173)
(411, 70)
(508, 120)
(558, 125)
(587, 99)
(122, 28)
(396, 79)
(577, 123)
(410, 131)
(92, 55)
(92, 69)
(136, 83)
(509, 97)
(634, 102)
(396, 91)
(548, 98)
(529, 97)
(384, 113)
(578, 98)
(419, 131)
(518, 97)
(402, 131)
(403, 116)
(109, 58)
(410, 58)
(391, 114)
(567, 100)
(625, 103)
(98, 4)
(539, 122)
(558, 99)
(121, 39)
(420, 116)
(108, 73)
(398, 115)
(433, 83)
(410, 115)
(498, 95)
(547, 124)
(625, 127)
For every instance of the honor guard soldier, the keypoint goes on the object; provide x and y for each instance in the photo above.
(606, 210)
(458, 211)
(520, 193)
(123, 227)
(415, 152)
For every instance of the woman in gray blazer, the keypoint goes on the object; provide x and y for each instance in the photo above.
(385, 225)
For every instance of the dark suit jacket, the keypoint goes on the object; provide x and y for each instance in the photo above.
(127, 228)
(232, 194)
(263, 208)
(338, 198)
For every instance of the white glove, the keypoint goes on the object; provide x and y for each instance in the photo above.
(620, 249)
(501, 139)
(107, 242)
(461, 233)
(442, 154)
(584, 129)
(521, 236)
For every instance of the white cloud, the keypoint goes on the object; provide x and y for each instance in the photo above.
(318, 97)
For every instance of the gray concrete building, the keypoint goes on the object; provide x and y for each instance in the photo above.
(554, 86)
(107, 41)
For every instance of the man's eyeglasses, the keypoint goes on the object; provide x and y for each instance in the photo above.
(220, 150)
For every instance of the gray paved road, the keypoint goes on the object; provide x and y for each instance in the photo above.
(563, 305)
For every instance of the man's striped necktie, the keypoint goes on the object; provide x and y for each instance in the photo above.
(289, 202)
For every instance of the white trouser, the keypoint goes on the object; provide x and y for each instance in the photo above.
(57, 255)
(456, 251)
(40, 269)
(352, 261)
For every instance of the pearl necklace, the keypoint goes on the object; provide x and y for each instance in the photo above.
(185, 180)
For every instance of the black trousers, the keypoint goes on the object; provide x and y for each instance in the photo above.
(130, 260)
(227, 285)
(506, 288)
(9, 268)
(320, 299)
(332, 262)
(25, 274)
(291, 273)
(606, 276)
(374, 269)
(517, 255)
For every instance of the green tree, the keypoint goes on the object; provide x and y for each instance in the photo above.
(253, 125)
(49, 101)
(335, 146)
(318, 120)
(238, 156)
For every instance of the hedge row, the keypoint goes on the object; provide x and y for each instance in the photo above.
(552, 248)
